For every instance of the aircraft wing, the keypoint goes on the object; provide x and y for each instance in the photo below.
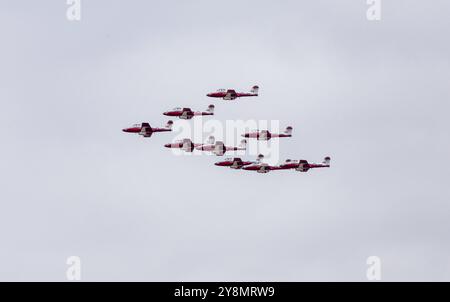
(187, 145)
(187, 113)
(264, 135)
(303, 166)
(231, 94)
(146, 130)
(236, 164)
(219, 148)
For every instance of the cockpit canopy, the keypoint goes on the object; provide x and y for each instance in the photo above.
(176, 109)
(291, 161)
(221, 90)
(258, 130)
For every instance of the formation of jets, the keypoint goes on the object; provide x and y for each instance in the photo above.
(260, 167)
(218, 148)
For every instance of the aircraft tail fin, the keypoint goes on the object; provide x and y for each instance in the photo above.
(288, 130)
(255, 89)
(210, 109)
(145, 126)
(259, 158)
(327, 161)
(211, 140)
(243, 144)
(169, 124)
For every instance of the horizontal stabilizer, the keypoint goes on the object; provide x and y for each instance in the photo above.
(210, 109)
(288, 130)
(169, 124)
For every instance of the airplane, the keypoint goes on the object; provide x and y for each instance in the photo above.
(145, 130)
(237, 162)
(262, 167)
(303, 165)
(299, 165)
(231, 94)
(264, 135)
(218, 148)
(187, 145)
(187, 113)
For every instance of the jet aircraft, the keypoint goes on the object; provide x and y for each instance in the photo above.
(187, 113)
(231, 94)
(146, 130)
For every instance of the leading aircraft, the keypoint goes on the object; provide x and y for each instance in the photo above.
(187, 113)
(264, 135)
(146, 130)
(231, 94)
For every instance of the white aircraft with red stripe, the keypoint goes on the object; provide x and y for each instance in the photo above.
(237, 162)
(187, 113)
(146, 130)
(231, 94)
(218, 148)
(187, 145)
(264, 135)
(303, 165)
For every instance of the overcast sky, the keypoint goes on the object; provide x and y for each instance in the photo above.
(373, 95)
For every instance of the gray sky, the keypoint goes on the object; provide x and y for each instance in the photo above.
(372, 95)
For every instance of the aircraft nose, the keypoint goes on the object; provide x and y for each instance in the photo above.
(167, 145)
(125, 130)
(217, 164)
(209, 94)
(166, 113)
